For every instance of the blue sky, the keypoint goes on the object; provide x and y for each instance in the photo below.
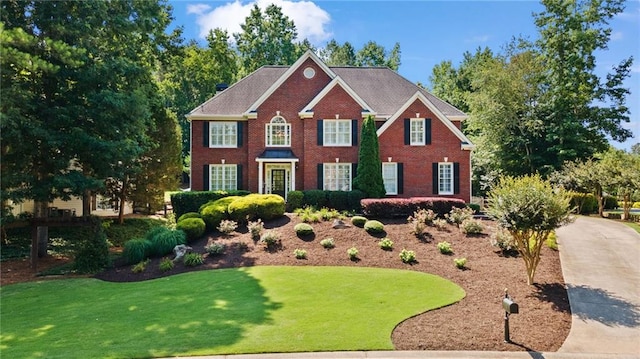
(429, 32)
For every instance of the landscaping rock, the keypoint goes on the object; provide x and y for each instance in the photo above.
(180, 250)
(339, 224)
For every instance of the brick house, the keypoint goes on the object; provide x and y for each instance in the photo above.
(297, 128)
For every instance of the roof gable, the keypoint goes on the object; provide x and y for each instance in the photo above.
(420, 96)
(307, 111)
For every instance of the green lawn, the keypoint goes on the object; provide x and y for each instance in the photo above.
(633, 225)
(256, 309)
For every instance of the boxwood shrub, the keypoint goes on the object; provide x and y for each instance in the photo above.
(374, 227)
(295, 200)
(189, 215)
(193, 228)
(254, 206)
(190, 201)
(358, 221)
(303, 229)
(214, 212)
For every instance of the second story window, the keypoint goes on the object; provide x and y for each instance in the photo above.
(223, 134)
(278, 132)
(417, 131)
(337, 132)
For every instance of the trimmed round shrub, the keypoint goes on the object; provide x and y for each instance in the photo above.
(358, 221)
(189, 215)
(374, 227)
(136, 250)
(303, 229)
(193, 228)
(214, 212)
(163, 240)
(254, 206)
(295, 200)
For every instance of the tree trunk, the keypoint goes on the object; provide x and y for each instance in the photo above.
(41, 210)
(86, 203)
(600, 201)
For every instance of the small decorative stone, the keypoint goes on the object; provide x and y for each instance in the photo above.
(339, 224)
(180, 250)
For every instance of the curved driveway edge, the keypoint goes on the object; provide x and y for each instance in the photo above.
(601, 267)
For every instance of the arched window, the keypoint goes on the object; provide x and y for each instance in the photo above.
(278, 132)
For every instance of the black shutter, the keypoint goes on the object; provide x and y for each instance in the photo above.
(434, 170)
(205, 133)
(238, 176)
(456, 177)
(354, 132)
(427, 131)
(239, 134)
(407, 131)
(400, 178)
(320, 134)
(354, 173)
(320, 176)
(205, 178)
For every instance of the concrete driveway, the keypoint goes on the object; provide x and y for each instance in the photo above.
(601, 266)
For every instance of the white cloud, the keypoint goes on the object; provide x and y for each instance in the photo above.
(478, 38)
(615, 36)
(310, 20)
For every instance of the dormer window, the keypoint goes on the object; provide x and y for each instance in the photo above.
(278, 133)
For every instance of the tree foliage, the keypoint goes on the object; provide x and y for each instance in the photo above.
(371, 54)
(369, 173)
(529, 208)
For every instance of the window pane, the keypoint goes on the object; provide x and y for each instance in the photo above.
(337, 132)
(390, 177)
(445, 178)
(223, 177)
(278, 132)
(337, 177)
(223, 134)
(417, 131)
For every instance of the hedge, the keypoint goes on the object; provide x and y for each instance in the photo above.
(190, 201)
(254, 206)
(192, 227)
(405, 207)
(338, 200)
(214, 212)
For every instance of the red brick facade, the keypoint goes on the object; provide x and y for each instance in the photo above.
(288, 100)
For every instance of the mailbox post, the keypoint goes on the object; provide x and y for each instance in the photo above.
(510, 307)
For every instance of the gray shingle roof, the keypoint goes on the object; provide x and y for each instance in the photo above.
(380, 87)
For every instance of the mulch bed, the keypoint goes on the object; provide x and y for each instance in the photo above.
(475, 323)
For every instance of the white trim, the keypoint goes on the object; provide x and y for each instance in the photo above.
(233, 125)
(336, 165)
(268, 128)
(395, 179)
(451, 183)
(458, 118)
(330, 86)
(466, 143)
(293, 68)
(335, 122)
(224, 167)
(227, 117)
(423, 142)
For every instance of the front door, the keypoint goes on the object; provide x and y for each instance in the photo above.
(278, 181)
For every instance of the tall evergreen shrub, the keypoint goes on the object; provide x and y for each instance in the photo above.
(369, 177)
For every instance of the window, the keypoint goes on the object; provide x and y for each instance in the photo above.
(390, 177)
(223, 134)
(223, 178)
(445, 178)
(337, 132)
(337, 177)
(278, 132)
(417, 132)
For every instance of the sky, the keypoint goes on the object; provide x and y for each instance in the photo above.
(428, 32)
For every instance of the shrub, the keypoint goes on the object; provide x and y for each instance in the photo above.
(445, 247)
(471, 226)
(316, 198)
(358, 221)
(193, 228)
(502, 239)
(636, 205)
(584, 203)
(254, 206)
(407, 256)
(327, 243)
(163, 240)
(328, 214)
(136, 250)
(308, 215)
(215, 248)
(166, 265)
(303, 229)
(386, 244)
(458, 215)
(191, 201)
(552, 241)
(271, 239)
(300, 253)
(141, 266)
(354, 197)
(193, 259)
(420, 219)
(475, 207)
(295, 200)
(460, 263)
(189, 215)
(214, 212)
(338, 200)
(92, 253)
(374, 227)
(440, 223)
(255, 228)
(610, 202)
(404, 207)
(352, 253)
(119, 234)
(226, 226)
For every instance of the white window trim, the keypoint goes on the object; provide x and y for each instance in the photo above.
(336, 122)
(411, 132)
(395, 177)
(267, 132)
(336, 166)
(234, 125)
(225, 168)
(451, 184)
